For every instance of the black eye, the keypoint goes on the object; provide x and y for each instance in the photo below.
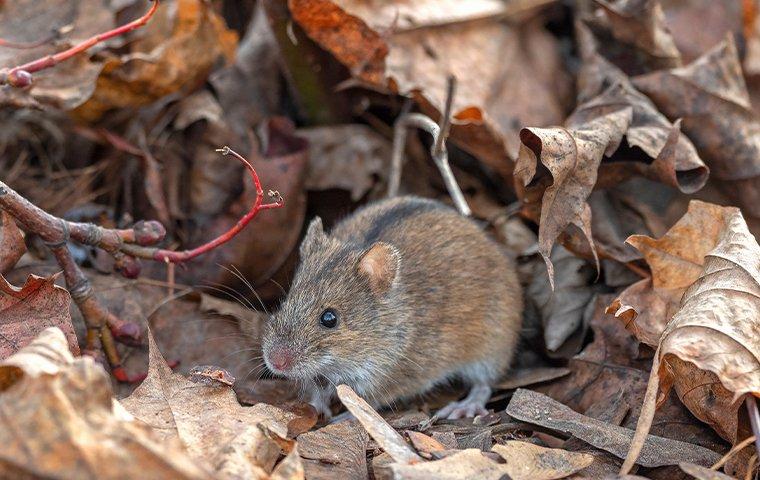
(329, 318)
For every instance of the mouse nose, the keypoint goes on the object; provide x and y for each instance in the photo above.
(281, 359)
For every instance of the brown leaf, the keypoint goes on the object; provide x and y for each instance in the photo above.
(179, 47)
(530, 376)
(71, 82)
(633, 34)
(347, 157)
(572, 156)
(59, 420)
(26, 311)
(424, 445)
(523, 461)
(710, 349)
(562, 307)
(710, 96)
(413, 48)
(675, 162)
(290, 468)
(12, 246)
(541, 410)
(702, 473)
(231, 440)
(677, 260)
(335, 451)
(692, 42)
(378, 429)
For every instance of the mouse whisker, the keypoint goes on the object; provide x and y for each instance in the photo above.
(234, 270)
(229, 292)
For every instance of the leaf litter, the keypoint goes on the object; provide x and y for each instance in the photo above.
(608, 146)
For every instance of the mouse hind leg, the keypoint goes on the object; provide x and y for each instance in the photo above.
(480, 376)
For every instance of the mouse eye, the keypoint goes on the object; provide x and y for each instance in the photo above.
(329, 318)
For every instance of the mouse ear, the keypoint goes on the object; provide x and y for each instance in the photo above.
(380, 264)
(315, 236)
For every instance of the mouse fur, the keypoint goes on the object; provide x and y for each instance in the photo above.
(422, 296)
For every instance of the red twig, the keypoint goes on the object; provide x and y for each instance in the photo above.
(173, 256)
(126, 246)
(21, 76)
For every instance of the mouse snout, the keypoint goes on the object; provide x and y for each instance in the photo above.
(280, 358)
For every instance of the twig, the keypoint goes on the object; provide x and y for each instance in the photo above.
(754, 419)
(437, 151)
(21, 76)
(738, 447)
(126, 246)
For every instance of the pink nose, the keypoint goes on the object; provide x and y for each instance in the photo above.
(281, 359)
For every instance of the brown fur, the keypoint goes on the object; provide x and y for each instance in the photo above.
(447, 303)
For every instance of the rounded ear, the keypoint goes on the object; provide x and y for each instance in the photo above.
(315, 236)
(380, 265)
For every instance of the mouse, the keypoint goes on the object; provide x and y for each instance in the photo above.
(404, 295)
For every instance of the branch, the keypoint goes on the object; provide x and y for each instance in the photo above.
(21, 76)
(126, 246)
(438, 150)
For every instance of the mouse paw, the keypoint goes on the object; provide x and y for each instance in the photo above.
(462, 409)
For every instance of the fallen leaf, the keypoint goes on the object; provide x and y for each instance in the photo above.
(71, 82)
(572, 156)
(176, 52)
(656, 147)
(59, 420)
(234, 441)
(676, 260)
(335, 451)
(12, 246)
(378, 429)
(348, 157)
(533, 407)
(562, 307)
(634, 35)
(683, 261)
(523, 461)
(290, 468)
(702, 473)
(681, 17)
(424, 445)
(412, 48)
(529, 376)
(710, 96)
(27, 311)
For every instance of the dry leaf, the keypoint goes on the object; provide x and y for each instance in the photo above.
(26, 311)
(702, 473)
(59, 420)
(290, 468)
(710, 96)
(335, 451)
(412, 48)
(232, 440)
(634, 35)
(533, 407)
(378, 429)
(710, 349)
(528, 376)
(71, 82)
(524, 461)
(424, 445)
(676, 261)
(179, 46)
(572, 156)
(674, 160)
(12, 246)
(562, 307)
(347, 157)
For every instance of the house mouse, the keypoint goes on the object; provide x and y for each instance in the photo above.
(403, 295)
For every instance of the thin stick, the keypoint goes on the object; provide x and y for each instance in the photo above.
(754, 419)
(438, 151)
(739, 446)
(21, 76)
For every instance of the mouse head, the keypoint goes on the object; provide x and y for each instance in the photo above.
(341, 313)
